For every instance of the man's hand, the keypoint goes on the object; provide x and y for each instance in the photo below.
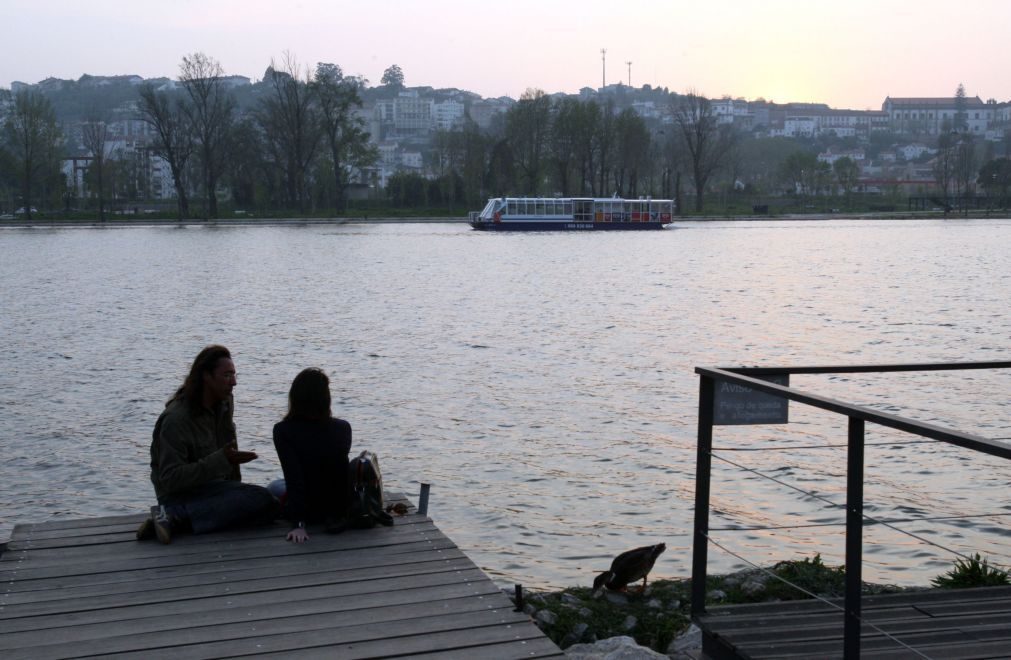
(236, 457)
(298, 535)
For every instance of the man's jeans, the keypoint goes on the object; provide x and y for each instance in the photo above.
(220, 504)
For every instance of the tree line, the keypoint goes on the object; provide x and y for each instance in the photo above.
(298, 145)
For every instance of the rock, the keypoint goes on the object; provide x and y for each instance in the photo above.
(614, 648)
(629, 623)
(690, 640)
(616, 598)
(717, 594)
(654, 603)
(571, 600)
(753, 585)
(575, 635)
(676, 605)
(547, 617)
(585, 612)
(529, 609)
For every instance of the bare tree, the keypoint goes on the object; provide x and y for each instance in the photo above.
(94, 135)
(705, 141)
(32, 135)
(944, 162)
(211, 112)
(290, 120)
(527, 130)
(174, 141)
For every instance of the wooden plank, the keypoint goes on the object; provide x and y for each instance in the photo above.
(139, 605)
(392, 605)
(220, 548)
(526, 648)
(160, 593)
(287, 632)
(129, 581)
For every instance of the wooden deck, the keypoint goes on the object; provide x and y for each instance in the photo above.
(940, 623)
(87, 587)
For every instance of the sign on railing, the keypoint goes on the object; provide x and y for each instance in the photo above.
(739, 404)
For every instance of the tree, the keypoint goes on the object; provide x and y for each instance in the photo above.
(799, 171)
(961, 116)
(32, 136)
(705, 142)
(173, 141)
(632, 152)
(393, 77)
(210, 111)
(290, 120)
(528, 126)
(94, 135)
(944, 162)
(349, 148)
(846, 174)
(995, 177)
(965, 164)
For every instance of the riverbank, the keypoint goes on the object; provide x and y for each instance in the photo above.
(659, 617)
(133, 221)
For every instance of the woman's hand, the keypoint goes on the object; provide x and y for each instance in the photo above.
(298, 535)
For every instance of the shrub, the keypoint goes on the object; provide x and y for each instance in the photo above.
(971, 572)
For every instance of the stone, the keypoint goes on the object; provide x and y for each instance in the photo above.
(629, 623)
(654, 603)
(529, 609)
(585, 612)
(571, 600)
(613, 648)
(575, 635)
(717, 594)
(753, 585)
(689, 640)
(547, 617)
(616, 598)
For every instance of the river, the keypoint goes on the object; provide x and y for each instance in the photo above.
(542, 383)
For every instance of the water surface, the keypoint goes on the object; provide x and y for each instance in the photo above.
(542, 383)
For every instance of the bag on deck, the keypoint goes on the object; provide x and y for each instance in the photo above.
(366, 507)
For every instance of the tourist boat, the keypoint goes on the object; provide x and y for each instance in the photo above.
(572, 213)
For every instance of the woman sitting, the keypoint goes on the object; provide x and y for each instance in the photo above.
(313, 447)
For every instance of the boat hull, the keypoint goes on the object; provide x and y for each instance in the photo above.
(565, 226)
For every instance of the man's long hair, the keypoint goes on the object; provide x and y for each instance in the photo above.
(309, 396)
(192, 389)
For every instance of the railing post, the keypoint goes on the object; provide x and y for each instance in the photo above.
(854, 538)
(423, 500)
(703, 465)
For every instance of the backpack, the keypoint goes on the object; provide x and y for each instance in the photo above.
(366, 507)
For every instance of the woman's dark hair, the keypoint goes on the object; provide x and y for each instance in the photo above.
(192, 389)
(309, 396)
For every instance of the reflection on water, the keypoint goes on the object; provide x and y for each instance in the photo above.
(542, 383)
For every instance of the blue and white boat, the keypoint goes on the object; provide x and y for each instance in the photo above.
(572, 214)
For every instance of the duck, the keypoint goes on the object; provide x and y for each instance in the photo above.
(629, 567)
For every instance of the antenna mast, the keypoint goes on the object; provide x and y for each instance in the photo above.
(603, 67)
(629, 63)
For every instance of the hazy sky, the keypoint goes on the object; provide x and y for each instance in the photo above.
(849, 54)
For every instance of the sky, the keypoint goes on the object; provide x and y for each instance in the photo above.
(848, 54)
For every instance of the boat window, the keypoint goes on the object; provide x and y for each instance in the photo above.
(568, 208)
(539, 209)
(512, 207)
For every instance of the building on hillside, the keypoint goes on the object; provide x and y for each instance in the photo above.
(932, 116)
(447, 115)
(830, 156)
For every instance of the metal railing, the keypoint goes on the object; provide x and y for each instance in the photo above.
(858, 416)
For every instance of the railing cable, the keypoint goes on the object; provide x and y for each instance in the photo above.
(843, 506)
(842, 523)
(816, 597)
(868, 444)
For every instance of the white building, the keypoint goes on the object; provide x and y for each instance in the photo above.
(448, 114)
(931, 116)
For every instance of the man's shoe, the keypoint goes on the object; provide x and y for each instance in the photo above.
(335, 525)
(146, 530)
(162, 524)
